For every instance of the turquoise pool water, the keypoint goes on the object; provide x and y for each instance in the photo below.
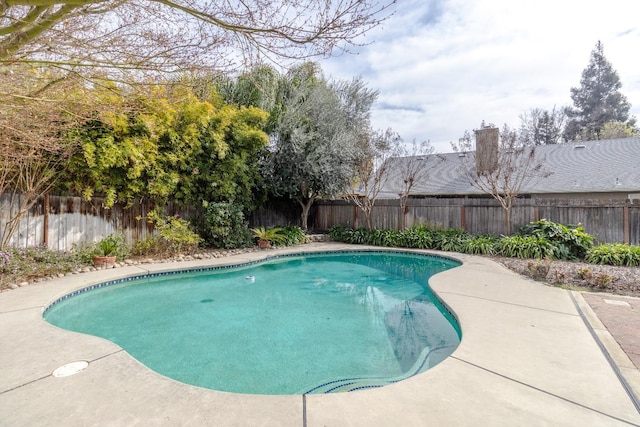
(291, 325)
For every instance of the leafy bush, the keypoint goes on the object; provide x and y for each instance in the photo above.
(224, 226)
(526, 247)
(452, 240)
(339, 233)
(562, 242)
(571, 242)
(380, 237)
(173, 235)
(293, 235)
(273, 235)
(420, 237)
(112, 245)
(614, 254)
(359, 236)
(480, 245)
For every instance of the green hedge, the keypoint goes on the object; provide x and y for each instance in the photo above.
(540, 239)
(614, 254)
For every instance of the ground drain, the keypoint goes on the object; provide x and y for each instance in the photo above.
(70, 369)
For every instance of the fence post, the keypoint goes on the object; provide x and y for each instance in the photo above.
(355, 216)
(45, 226)
(625, 224)
(463, 218)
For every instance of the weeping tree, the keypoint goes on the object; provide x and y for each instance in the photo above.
(316, 136)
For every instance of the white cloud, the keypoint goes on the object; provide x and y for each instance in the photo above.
(442, 67)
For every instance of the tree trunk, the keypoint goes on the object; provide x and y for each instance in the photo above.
(507, 220)
(306, 207)
(367, 214)
(403, 213)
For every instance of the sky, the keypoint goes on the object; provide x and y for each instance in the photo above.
(443, 66)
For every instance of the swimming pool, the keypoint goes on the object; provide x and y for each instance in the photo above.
(313, 323)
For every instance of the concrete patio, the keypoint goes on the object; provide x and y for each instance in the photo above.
(530, 355)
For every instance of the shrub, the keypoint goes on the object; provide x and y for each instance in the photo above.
(151, 245)
(585, 273)
(571, 242)
(359, 236)
(452, 240)
(23, 264)
(382, 237)
(113, 245)
(561, 276)
(480, 245)
(339, 233)
(420, 237)
(526, 247)
(293, 235)
(173, 235)
(363, 236)
(614, 254)
(5, 260)
(224, 226)
(272, 235)
(538, 269)
(602, 280)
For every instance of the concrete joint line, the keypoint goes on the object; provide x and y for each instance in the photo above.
(546, 392)
(634, 399)
(304, 410)
(50, 375)
(25, 384)
(508, 303)
(146, 270)
(38, 307)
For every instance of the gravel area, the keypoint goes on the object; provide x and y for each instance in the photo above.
(578, 275)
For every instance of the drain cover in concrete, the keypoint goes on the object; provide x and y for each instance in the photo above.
(70, 369)
(617, 302)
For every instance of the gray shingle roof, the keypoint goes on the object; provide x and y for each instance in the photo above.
(595, 166)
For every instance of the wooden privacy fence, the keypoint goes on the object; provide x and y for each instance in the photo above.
(610, 221)
(59, 222)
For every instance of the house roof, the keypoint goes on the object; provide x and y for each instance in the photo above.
(586, 167)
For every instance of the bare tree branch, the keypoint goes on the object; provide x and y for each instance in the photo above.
(178, 35)
(513, 166)
(372, 173)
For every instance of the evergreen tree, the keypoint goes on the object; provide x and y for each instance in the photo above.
(597, 101)
(317, 137)
(542, 127)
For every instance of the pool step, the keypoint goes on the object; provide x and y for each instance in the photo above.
(349, 384)
(430, 357)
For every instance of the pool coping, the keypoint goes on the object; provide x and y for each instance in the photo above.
(527, 356)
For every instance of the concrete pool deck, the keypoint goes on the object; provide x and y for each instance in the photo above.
(528, 356)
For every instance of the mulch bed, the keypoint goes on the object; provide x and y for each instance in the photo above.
(585, 276)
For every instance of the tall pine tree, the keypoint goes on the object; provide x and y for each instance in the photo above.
(597, 101)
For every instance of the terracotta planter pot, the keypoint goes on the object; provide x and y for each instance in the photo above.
(263, 244)
(104, 261)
